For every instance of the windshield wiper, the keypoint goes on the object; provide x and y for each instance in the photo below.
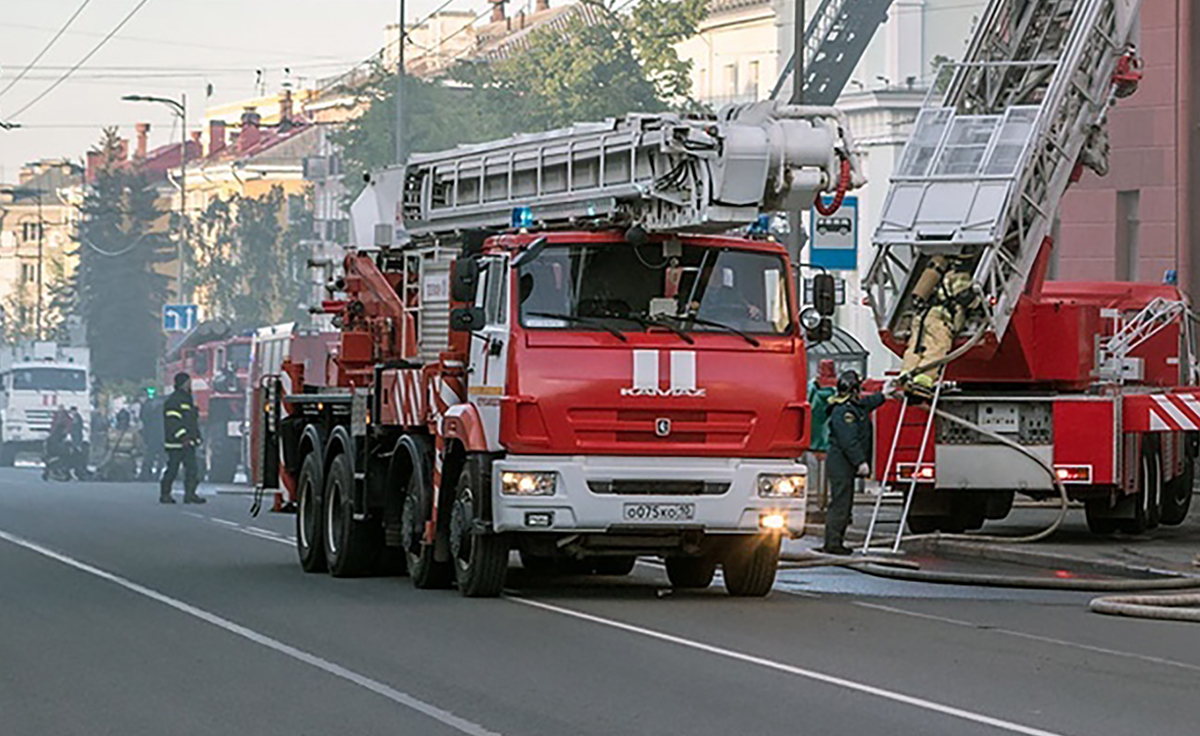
(656, 321)
(583, 321)
(719, 325)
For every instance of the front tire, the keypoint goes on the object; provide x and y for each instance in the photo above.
(351, 547)
(750, 566)
(425, 571)
(691, 572)
(309, 543)
(480, 558)
(1177, 495)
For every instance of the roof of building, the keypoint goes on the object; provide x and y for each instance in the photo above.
(500, 39)
(42, 180)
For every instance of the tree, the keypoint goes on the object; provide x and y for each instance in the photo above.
(606, 64)
(249, 267)
(118, 291)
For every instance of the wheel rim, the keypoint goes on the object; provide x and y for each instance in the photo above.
(460, 529)
(307, 523)
(333, 517)
(410, 523)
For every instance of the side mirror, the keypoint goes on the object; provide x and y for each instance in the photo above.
(467, 319)
(529, 253)
(824, 294)
(465, 281)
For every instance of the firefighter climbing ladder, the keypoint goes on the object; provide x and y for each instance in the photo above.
(834, 41)
(989, 160)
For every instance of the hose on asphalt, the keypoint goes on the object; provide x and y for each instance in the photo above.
(1158, 607)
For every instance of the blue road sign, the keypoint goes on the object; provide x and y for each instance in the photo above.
(834, 239)
(180, 317)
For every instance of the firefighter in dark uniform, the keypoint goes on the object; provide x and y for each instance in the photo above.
(181, 437)
(849, 455)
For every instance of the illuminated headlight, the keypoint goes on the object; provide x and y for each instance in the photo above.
(781, 486)
(810, 318)
(528, 484)
(772, 522)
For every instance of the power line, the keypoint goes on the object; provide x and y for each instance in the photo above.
(95, 49)
(47, 47)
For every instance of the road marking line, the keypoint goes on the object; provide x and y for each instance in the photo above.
(445, 717)
(1031, 637)
(793, 670)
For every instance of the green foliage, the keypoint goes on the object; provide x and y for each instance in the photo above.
(249, 268)
(614, 64)
(117, 291)
(943, 73)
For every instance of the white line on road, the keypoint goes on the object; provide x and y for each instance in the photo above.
(459, 724)
(1032, 637)
(793, 670)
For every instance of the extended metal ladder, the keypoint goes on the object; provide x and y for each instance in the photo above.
(989, 160)
(834, 41)
(913, 477)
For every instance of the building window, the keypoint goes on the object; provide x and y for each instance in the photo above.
(1128, 204)
(752, 80)
(731, 81)
(30, 231)
(28, 273)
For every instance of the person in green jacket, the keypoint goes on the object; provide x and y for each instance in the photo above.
(850, 440)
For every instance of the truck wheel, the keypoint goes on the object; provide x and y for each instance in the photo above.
(750, 566)
(925, 524)
(1177, 495)
(999, 504)
(691, 572)
(1099, 520)
(351, 547)
(425, 571)
(8, 456)
(308, 515)
(480, 558)
(968, 511)
(1144, 503)
(622, 565)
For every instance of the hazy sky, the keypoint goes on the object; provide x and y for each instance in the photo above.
(169, 47)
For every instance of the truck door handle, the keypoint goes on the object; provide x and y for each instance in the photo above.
(495, 347)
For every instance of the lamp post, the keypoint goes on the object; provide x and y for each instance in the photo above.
(179, 107)
(41, 233)
(400, 89)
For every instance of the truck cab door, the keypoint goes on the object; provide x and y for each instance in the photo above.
(488, 367)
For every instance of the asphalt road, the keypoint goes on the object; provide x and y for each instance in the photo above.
(121, 616)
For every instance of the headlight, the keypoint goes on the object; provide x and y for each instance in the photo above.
(528, 484)
(782, 486)
(810, 318)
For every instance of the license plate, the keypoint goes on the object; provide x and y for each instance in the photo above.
(660, 512)
(233, 429)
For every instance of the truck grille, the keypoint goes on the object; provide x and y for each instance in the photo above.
(39, 418)
(595, 428)
(658, 487)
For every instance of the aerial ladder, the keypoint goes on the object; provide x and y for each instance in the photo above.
(968, 216)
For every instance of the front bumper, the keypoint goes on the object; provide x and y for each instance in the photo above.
(577, 507)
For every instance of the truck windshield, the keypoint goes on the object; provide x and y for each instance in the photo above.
(238, 353)
(49, 379)
(696, 288)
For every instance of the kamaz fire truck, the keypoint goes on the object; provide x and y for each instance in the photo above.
(550, 344)
(219, 363)
(1095, 379)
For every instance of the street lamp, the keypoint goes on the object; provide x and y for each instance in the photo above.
(41, 230)
(179, 107)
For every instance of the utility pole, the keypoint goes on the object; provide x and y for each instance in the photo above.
(798, 54)
(179, 107)
(400, 154)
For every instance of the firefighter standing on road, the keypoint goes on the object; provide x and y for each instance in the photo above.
(182, 436)
(849, 455)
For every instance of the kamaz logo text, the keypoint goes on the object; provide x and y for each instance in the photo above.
(645, 375)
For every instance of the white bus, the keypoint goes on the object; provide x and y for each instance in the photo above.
(30, 392)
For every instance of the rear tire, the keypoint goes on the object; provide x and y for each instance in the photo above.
(691, 572)
(1145, 501)
(425, 571)
(925, 524)
(750, 566)
(1177, 495)
(480, 558)
(351, 547)
(309, 544)
(1098, 519)
(8, 456)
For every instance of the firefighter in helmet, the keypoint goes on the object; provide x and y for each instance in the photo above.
(849, 455)
(943, 299)
(182, 425)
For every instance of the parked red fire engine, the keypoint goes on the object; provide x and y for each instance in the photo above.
(1098, 380)
(599, 377)
(219, 364)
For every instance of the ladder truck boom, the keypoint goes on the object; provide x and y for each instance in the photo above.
(661, 172)
(989, 160)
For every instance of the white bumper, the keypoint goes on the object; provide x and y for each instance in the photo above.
(576, 507)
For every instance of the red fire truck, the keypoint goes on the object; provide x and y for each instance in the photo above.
(546, 346)
(1097, 380)
(219, 364)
